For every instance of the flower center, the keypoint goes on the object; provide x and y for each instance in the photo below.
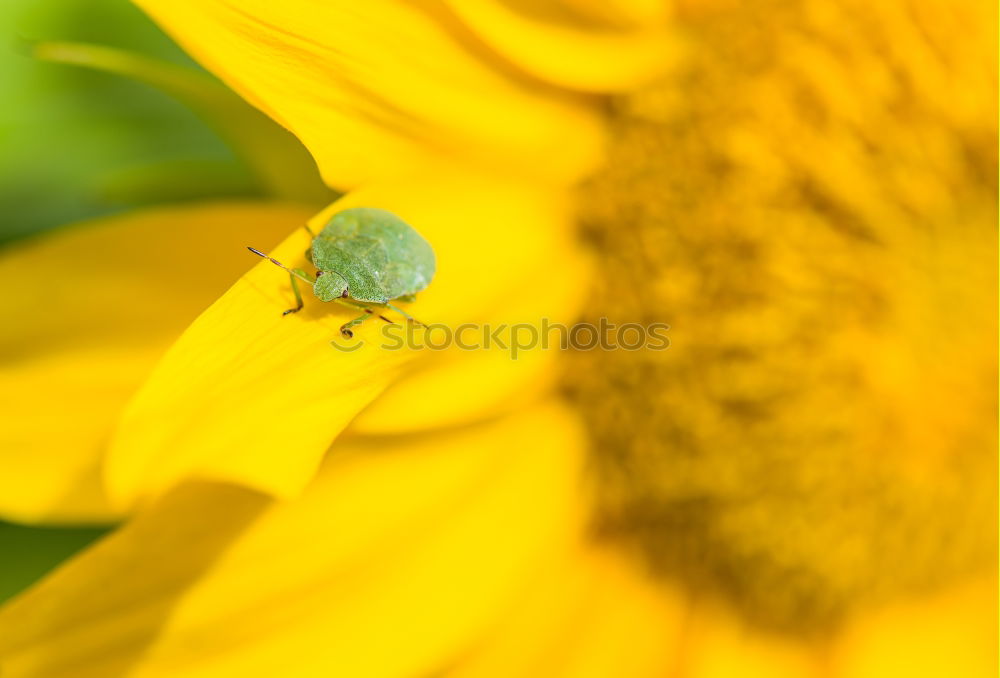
(810, 203)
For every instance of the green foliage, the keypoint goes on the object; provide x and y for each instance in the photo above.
(28, 553)
(82, 142)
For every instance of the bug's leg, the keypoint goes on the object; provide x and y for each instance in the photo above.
(350, 303)
(407, 298)
(345, 329)
(298, 295)
(405, 315)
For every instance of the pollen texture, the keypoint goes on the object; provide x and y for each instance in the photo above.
(809, 201)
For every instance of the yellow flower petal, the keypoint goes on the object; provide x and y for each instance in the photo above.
(89, 311)
(394, 562)
(373, 88)
(571, 50)
(953, 633)
(252, 397)
(588, 614)
(718, 644)
(624, 13)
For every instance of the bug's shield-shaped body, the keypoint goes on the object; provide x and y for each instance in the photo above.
(372, 253)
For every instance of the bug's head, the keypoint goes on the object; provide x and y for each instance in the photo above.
(329, 285)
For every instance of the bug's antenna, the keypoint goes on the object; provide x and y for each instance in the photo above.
(271, 259)
(280, 265)
(309, 231)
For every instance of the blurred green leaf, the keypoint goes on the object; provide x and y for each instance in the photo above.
(174, 181)
(283, 167)
(28, 553)
(69, 136)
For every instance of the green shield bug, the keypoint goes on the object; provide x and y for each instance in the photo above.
(365, 258)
